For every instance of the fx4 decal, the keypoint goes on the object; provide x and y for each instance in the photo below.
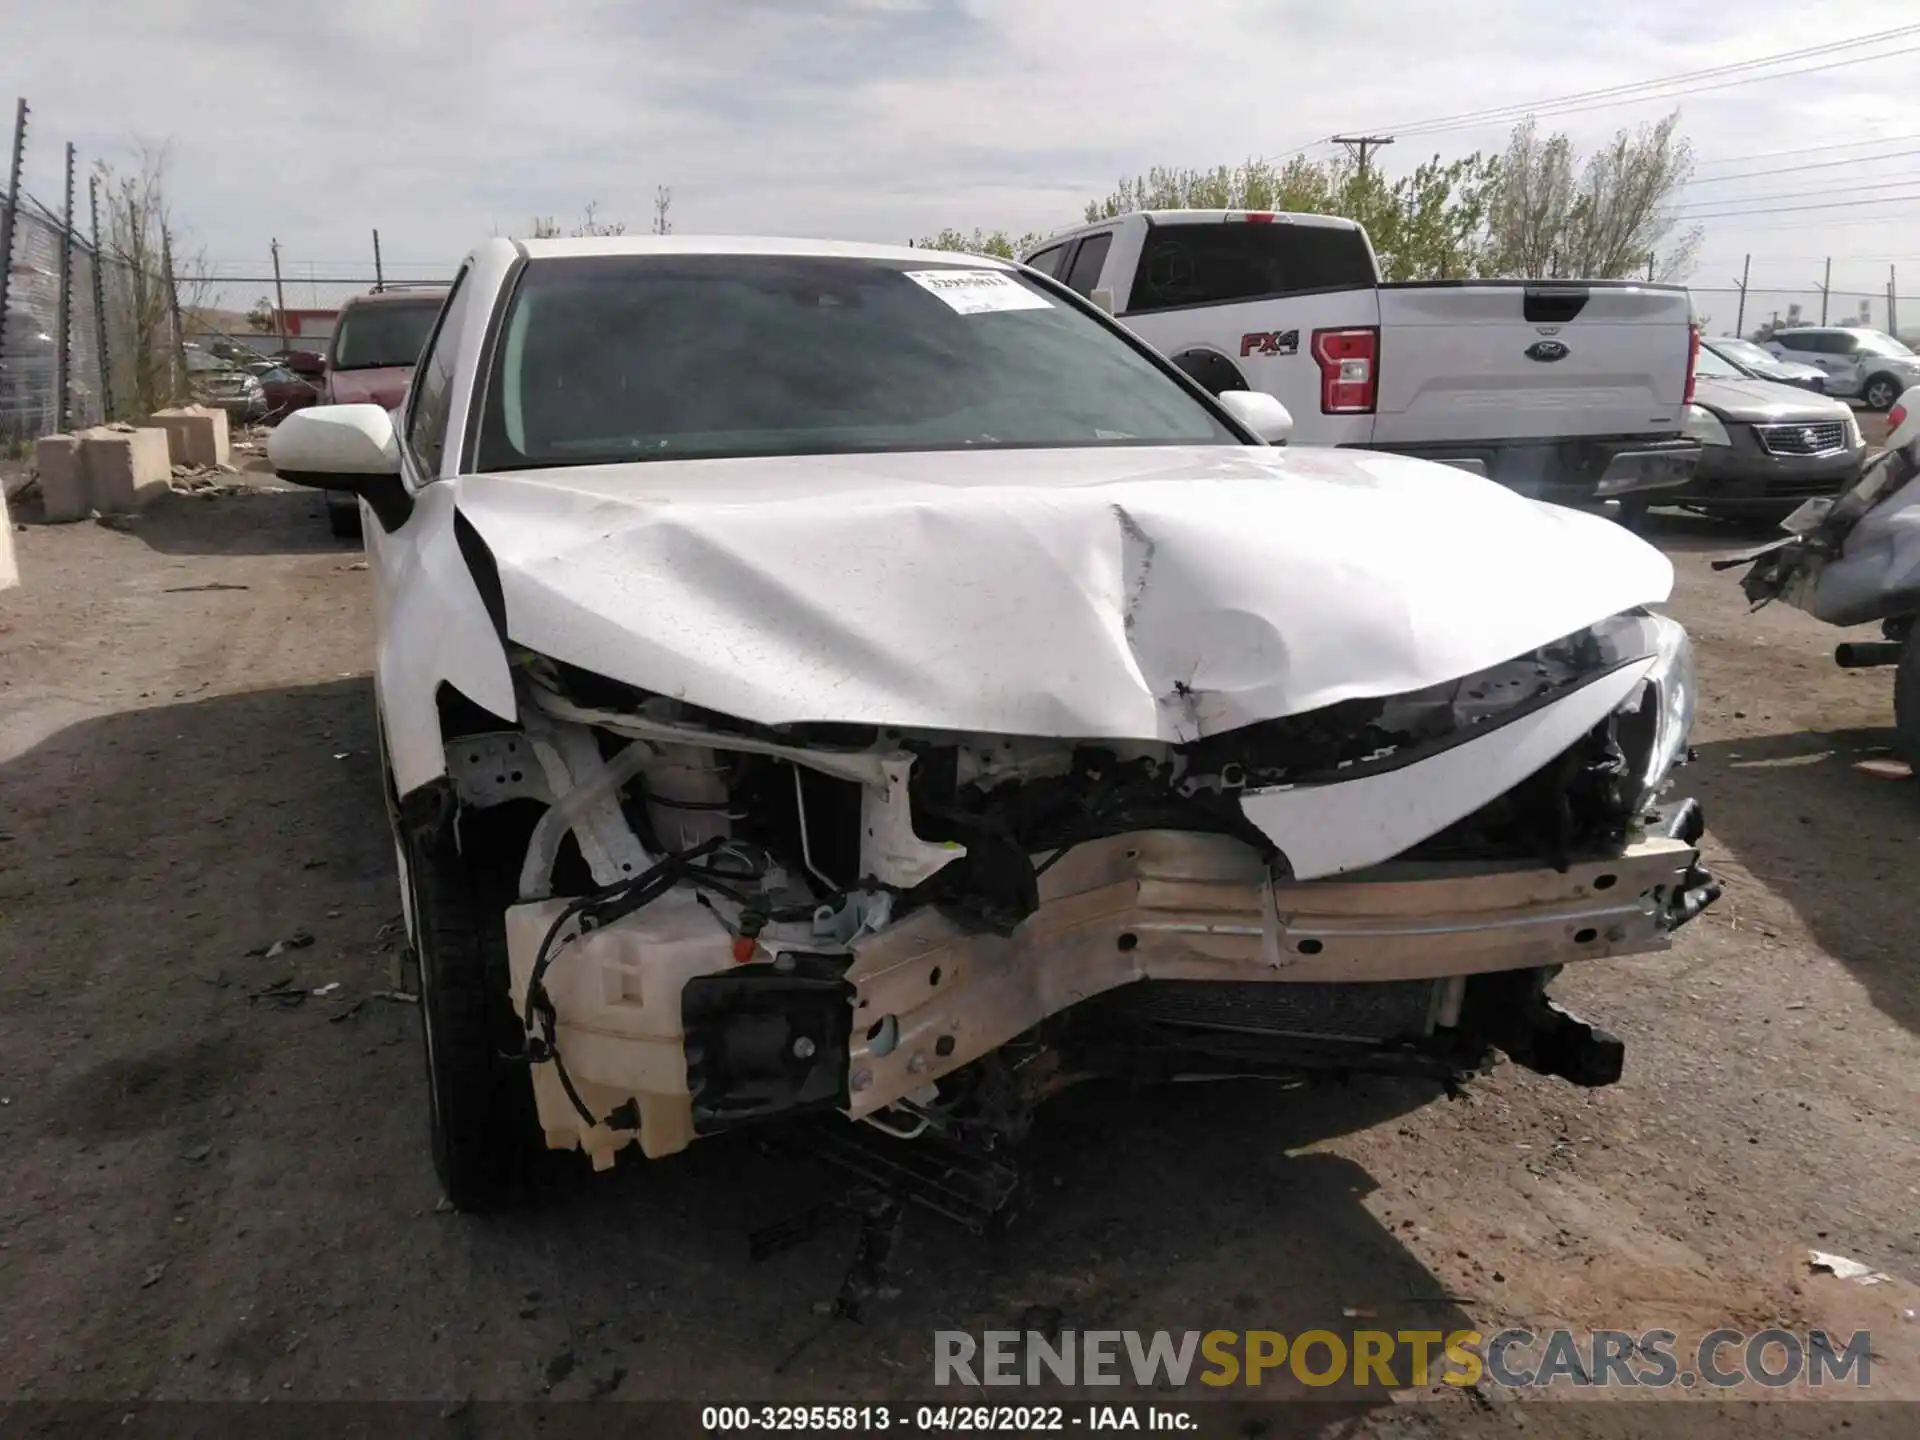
(1270, 342)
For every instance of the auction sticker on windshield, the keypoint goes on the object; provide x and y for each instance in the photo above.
(976, 292)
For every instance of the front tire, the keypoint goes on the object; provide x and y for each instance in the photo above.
(486, 1134)
(1880, 392)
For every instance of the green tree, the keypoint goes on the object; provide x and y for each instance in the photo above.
(980, 242)
(1605, 222)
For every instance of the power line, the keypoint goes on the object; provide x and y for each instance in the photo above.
(1627, 93)
(1829, 205)
(1812, 150)
(1837, 224)
(1520, 114)
(1798, 194)
(1815, 165)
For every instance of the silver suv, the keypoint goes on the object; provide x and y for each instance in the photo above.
(1868, 364)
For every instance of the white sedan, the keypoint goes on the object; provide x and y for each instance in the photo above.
(835, 678)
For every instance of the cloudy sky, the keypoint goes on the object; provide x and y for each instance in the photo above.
(442, 122)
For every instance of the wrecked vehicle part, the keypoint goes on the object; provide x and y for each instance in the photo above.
(1856, 558)
(850, 917)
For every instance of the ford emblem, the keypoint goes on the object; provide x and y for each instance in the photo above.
(1546, 351)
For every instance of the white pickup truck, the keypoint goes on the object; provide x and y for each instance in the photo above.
(1573, 391)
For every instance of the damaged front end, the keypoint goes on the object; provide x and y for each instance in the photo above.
(719, 923)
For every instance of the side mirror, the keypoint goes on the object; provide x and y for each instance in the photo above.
(1260, 413)
(344, 447)
(1102, 297)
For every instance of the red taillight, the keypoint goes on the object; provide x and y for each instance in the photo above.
(1693, 359)
(1896, 417)
(1349, 370)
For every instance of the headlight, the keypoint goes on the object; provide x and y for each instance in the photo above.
(1653, 726)
(1853, 439)
(1703, 425)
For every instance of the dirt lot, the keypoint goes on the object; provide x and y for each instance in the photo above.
(210, 1194)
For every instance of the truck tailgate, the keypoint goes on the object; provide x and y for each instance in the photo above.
(1531, 360)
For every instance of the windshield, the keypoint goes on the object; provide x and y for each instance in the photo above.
(1872, 343)
(1744, 352)
(376, 336)
(617, 358)
(1709, 365)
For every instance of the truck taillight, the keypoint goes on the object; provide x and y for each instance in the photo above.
(1693, 359)
(1349, 370)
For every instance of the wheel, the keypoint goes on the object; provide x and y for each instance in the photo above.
(1906, 701)
(1880, 392)
(487, 1143)
(1633, 513)
(343, 519)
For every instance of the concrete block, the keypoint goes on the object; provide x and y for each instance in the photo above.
(9, 568)
(63, 477)
(197, 436)
(125, 467)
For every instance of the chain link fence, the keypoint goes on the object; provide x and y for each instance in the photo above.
(1724, 311)
(52, 287)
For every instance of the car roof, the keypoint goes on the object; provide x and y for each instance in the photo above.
(432, 294)
(744, 245)
(1828, 330)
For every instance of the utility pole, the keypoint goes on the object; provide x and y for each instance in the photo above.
(1649, 267)
(1826, 281)
(279, 296)
(1361, 146)
(13, 203)
(1893, 306)
(173, 308)
(379, 279)
(100, 302)
(1740, 316)
(63, 311)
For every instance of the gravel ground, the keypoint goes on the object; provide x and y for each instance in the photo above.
(210, 1195)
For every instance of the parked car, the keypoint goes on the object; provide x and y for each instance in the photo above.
(1571, 391)
(1765, 447)
(1859, 363)
(230, 389)
(377, 338)
(823, 679)
(1752, 360)
(286, 392)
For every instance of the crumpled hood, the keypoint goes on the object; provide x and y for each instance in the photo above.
(1767, 402)
(1158, 593)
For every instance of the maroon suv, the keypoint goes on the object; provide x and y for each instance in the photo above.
(377, 338)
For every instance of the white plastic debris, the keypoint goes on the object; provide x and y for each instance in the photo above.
(1842, 1268)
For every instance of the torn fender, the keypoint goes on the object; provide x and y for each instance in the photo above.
(1157, 593)
(432, 627)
